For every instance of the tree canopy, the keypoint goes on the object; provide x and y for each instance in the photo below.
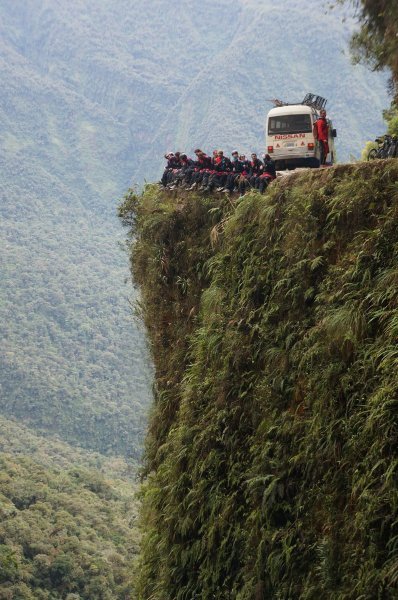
(64, 533)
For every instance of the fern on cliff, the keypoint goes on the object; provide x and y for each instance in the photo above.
(272, 445)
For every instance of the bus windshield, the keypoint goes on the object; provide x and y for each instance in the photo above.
(289, 124)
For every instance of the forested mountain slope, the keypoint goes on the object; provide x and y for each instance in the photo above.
(92, 94)
(64, 532)
(271, 452)
(68, 366)
(67, 519)
(53, 453)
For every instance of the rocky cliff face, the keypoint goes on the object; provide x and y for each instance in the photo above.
(271, 450)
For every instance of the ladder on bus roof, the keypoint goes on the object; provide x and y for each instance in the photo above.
(315, 101)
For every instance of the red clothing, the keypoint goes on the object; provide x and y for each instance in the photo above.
(321, 133)
(325, 149)
(321, 129)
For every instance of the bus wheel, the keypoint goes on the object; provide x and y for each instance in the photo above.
(280, 165)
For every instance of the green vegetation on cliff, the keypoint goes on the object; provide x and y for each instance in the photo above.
(271, 456)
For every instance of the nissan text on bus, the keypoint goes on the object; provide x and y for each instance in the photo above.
(290, 139)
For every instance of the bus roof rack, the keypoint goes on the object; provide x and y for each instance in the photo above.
(315, 101)
(277, 102)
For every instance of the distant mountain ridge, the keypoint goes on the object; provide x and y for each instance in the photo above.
(290, 52)
(176, 73)
(93, 93)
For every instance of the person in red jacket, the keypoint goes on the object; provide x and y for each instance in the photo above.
(321, 133)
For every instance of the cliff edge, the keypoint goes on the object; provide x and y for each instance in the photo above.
(271, 454)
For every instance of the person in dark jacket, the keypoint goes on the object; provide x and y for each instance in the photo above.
(256, 168)
(201, 166)
(268, 174)
(221, 168)
(242, 181)
(237, 167)
(183, 174)
(172, 163)
(208, 172)
(175, 170)
(269, 166)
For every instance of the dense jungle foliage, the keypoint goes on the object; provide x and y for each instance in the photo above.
(271, 456)
(64, 533)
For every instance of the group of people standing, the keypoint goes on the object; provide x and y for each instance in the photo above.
(217, 172)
